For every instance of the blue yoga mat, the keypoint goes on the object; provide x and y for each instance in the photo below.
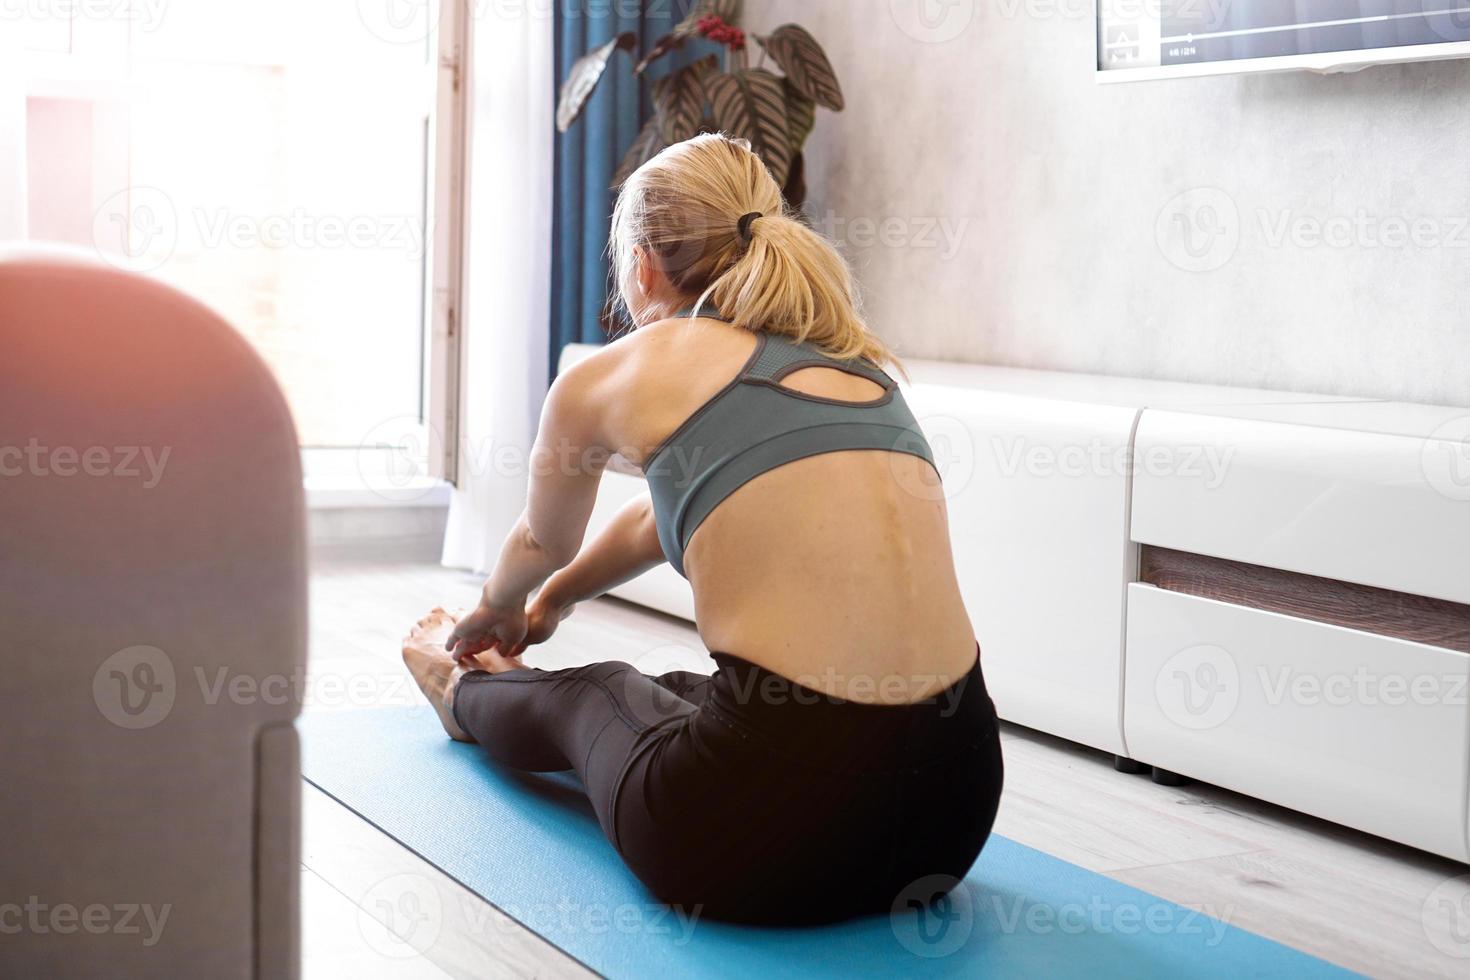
(1020, 913)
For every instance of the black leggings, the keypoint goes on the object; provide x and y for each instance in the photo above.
(748, 796)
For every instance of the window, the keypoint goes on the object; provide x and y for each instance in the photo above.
(288, 163)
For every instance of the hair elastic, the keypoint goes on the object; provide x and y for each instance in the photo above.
(745, 223)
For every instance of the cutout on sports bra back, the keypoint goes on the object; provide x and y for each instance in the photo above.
(833, 384)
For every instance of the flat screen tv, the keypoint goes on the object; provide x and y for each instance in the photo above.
(1143, 39)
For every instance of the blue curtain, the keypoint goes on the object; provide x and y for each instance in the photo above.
(588, 155)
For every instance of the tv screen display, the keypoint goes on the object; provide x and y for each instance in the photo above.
(1159, 38)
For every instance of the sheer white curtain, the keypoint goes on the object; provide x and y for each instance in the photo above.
(507, 275)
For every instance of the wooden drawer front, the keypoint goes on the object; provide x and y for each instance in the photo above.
(1363, 730)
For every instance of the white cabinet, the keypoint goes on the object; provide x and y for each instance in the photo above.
(1360, 729)
(1037, 493)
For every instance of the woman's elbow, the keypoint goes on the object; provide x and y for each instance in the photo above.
(556, 550)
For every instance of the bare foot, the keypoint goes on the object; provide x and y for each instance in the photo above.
(435, 671)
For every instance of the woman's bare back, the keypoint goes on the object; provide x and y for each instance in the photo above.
(835, 570)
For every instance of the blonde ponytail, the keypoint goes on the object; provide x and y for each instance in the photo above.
(685, 206)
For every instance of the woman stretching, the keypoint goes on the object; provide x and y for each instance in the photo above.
(846, 747)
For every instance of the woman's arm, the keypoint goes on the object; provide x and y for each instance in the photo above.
(625, 549)
(572, 449)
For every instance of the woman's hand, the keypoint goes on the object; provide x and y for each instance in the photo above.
(543, 616)
(489, 627)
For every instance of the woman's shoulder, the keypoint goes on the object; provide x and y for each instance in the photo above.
(669, 349)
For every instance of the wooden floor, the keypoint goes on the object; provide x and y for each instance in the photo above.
(372, 908)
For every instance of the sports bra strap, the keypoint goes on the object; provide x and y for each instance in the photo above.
(776, 357)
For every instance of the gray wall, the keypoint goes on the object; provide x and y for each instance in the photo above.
(1343, 204)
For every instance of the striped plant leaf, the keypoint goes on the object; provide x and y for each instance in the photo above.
(646, 146)
(805, 64)
(660, 48)
(801, 116)
(727, 10)
(680, 99)
(751, 104)
(583, 78)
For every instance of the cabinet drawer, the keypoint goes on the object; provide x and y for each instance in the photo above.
(1363, 730)
(1367, 507)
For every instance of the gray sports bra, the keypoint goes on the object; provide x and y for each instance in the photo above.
(753, 425)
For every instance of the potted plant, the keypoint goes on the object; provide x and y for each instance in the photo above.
(721, 92)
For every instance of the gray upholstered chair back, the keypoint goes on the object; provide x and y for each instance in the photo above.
(152, 634)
